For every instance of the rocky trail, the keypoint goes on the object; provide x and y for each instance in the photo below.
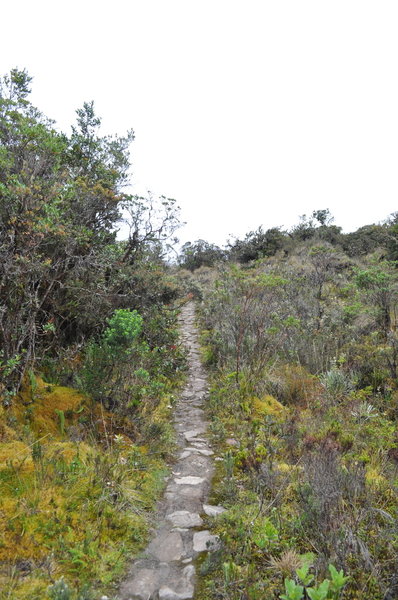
(166, 570)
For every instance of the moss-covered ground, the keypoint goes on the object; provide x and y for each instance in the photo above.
(77, 487)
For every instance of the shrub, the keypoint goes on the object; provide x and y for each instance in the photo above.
(60, 590)
(337, 384)
(123, 329)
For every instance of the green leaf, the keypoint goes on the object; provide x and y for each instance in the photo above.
(319, 593)
(304, 576)
(308, 558)
(293, 590)
(338, 579)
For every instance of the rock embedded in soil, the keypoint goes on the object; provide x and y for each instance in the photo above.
(189, 480)
(204, 541)
(142, 586)
(213, 511)
(204, 451)
(192, 434)
(183, 518)
(231, 442)
(167, 546)
(183, 589)
(185, 454)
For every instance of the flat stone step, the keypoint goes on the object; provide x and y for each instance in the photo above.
(185, 454)
(193, 433)
(183, 588)
(192, 450)
(144, 583)
(184, 518)
(167, 546)
(189, 480)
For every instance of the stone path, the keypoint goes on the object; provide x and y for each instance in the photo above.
(167, 572)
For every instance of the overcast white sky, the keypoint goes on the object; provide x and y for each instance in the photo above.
(246, 112)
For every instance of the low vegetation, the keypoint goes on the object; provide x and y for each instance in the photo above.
(303, 409)
(80, 473)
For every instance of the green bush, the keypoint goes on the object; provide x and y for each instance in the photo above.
(123, 329)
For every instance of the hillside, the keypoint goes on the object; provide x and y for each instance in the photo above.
(302, 350)
(298, 336)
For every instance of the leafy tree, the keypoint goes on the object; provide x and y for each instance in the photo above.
(305, 229)
(199, 254)
(323, 216)
(364, 240)
(392, 237)
(62, 271)
(319, 225)
(258, 244)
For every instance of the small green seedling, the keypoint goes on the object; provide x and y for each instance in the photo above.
(268, 535)
(338, 579)
(320, 592)
(293, 591)
(305, 577)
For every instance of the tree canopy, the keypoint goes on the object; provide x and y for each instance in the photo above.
(62, 198)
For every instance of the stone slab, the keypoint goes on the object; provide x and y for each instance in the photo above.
(213, 511)
(184, 518)
(189, 480)
(204, 541)
(181, 589)
(193, 433)
(142, 586)
(185, 454)
(167, 546)
(204, 451)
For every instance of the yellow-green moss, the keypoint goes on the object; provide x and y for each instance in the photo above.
(68, 451)
(7, 434)
(32, 588)
(373, 478)
(42, 407)
(268, 405)
(81, 506)
(15, 455)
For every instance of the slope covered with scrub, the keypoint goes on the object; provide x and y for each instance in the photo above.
(302, 346)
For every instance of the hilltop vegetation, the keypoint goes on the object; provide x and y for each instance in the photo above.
(319, 228)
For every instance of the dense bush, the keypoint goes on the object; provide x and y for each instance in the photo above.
(200, 254)
(61, 199)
